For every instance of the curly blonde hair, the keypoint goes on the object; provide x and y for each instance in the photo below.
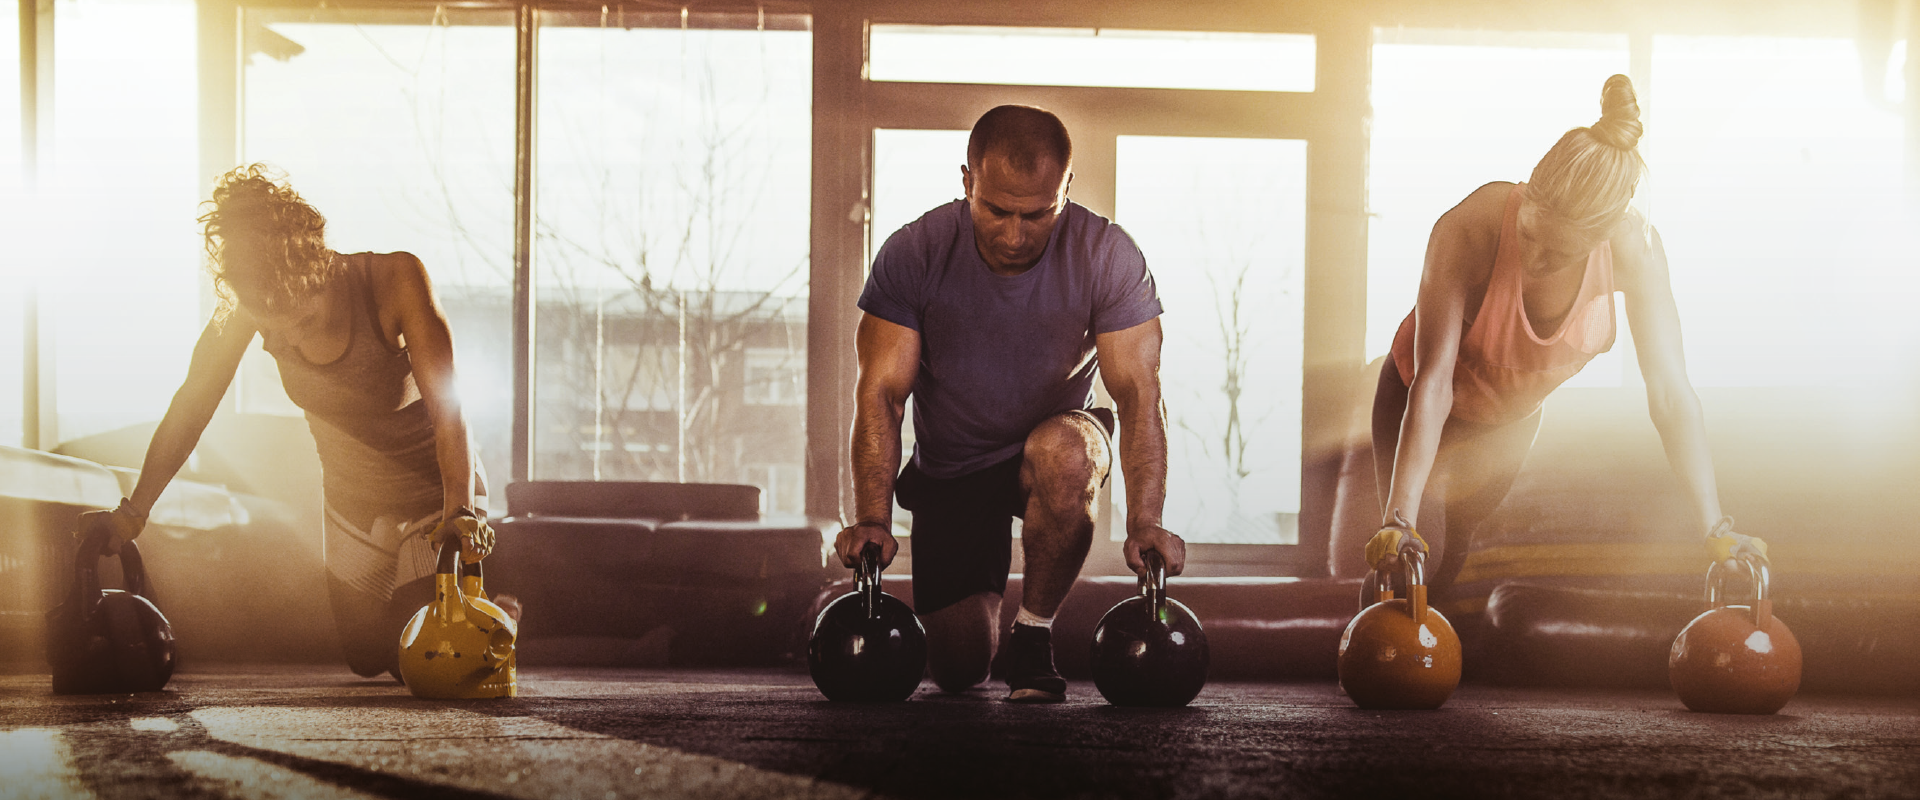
(1590, 175)
(264, 243)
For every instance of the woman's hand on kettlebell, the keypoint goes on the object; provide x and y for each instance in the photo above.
(1725, 545)
(124, 522)
(1383, 550)
(854, 538)
(474, 535)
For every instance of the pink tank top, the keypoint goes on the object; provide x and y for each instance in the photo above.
(1505, 370)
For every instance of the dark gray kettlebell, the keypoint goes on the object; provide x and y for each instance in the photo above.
(108, 641)
(867, 646)
(1149, 649)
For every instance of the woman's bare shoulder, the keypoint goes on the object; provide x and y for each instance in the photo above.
(399, 260)
(398, 271)
(1468, 235)
(1638, 255)
(1482, 212)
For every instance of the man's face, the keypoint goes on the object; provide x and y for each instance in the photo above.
(1013, 211)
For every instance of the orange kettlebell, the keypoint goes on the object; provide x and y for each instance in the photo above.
(1736, 659)
(1400, 654)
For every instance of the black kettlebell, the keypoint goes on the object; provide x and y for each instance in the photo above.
(867, 645)
(1149, 649)
(108, 641)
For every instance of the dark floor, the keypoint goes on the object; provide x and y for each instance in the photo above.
(315, 732)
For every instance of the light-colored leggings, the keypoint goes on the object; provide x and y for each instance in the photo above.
(379, 572)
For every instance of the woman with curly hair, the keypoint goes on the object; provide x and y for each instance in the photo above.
(363, 347)
(1517, 296)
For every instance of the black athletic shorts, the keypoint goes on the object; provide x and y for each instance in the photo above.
(963, 527)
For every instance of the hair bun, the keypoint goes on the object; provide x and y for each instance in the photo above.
(1619, 124)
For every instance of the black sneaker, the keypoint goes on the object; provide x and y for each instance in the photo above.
(1030, 672)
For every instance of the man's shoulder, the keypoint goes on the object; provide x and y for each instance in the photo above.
(923, 243)
(935, 228)
(1095, 239)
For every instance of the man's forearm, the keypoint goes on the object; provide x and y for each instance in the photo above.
(876, 460)
(1143, 459)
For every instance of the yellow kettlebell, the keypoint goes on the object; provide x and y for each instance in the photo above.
(461, 645)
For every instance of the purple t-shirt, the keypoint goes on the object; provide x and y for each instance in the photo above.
(999, 354)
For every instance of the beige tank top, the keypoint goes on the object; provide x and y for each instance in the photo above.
(373, 432)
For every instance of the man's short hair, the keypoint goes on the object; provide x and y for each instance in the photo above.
(1024, 135)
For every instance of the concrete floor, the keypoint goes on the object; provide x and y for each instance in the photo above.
(315, 732)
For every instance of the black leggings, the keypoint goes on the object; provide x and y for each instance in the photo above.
(1472, 472)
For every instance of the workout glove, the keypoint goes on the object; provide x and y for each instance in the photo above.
(1388, 543)
(475, 535)
(1724, 544)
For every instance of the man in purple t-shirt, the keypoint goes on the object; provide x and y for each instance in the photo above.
(994, 313)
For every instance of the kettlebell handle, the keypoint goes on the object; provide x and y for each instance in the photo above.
(86, 567)
(1760, 576)
(1413, 572)
(1153, 583)
(866, 578)
(448, 562)
(452, 606)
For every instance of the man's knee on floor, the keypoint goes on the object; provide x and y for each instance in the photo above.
(960, 641)
(958, 672)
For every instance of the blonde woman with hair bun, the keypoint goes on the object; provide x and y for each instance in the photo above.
(1516, 296)
(363, 347)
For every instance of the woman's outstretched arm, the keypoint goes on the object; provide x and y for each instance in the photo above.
(1641, 269)
(1459, 258)
(216, 357)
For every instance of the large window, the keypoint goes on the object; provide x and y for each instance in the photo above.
(1777, 187)
(118, 261)
(399, 128)
(14, 207)
(671, 261)
(1223, 225)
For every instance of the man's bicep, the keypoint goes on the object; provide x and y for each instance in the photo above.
(1130, 358)
(889, 355)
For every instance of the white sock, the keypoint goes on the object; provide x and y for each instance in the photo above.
(1026, 617)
